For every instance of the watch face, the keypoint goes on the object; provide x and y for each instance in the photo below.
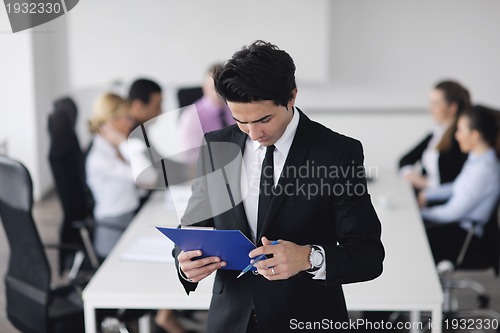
(317, 258)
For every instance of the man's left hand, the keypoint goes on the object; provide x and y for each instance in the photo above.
(288, 259)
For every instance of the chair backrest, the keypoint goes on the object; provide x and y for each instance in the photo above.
(67, 162)
(28, 276)
(189, 95)
(484, 253)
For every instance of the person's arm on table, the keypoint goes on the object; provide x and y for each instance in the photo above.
(415, 154)
(407, 162)
(467, 193)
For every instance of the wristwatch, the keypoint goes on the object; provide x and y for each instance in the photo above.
(316, 258)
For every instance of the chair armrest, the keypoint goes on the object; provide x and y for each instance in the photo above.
(84, 223)
(62, 246)
(70, 292)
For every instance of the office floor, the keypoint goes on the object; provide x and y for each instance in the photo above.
(47, 214)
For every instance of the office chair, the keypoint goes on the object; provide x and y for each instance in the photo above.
(67, 163)
(189, 95)
(32, 305)
(475, 254)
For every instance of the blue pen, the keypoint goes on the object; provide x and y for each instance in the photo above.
(259, 258)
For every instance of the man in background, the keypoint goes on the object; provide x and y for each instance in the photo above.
(146, 103)
(210, 111)
(146, 98)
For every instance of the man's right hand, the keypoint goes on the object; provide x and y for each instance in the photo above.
(197, 270)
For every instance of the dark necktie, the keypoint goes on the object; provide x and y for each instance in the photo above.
(222, 117)
(266, 187)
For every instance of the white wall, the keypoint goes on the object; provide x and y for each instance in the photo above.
(390, 52)
(349, 54)
(17, 122)
(34, 71)
(175, 41)
(385, 136)
(51, 80)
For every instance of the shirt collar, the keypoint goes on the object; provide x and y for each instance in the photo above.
(489, 154)
(285, 141)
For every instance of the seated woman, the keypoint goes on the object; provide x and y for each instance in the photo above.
(438, 153)
(111, 179)
(109, 173)
(473, 195)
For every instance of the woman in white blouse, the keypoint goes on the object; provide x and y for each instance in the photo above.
(108, 169)
(438, 155)
(474, 194)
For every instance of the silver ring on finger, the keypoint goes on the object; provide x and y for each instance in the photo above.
(272, 270)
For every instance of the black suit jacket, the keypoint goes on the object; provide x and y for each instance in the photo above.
(343, 221)
(450, 162)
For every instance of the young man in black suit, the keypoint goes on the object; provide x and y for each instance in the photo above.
(302, 185)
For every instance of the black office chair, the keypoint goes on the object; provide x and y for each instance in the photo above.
(188, 95)
(475, 254)
(67, 163)
(32, 305)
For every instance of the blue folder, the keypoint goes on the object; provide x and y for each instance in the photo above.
(230, 245)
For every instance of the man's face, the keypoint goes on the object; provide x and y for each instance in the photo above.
(153, 108)
(144, 112)
(263, 121)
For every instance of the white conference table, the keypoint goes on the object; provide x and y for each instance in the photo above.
(409, 281)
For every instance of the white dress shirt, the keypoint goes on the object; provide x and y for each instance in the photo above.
(472, 196)
(253, 158)
(111, 179)
(430, 157)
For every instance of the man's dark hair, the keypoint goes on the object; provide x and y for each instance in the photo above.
(142, 89)
(258, 72)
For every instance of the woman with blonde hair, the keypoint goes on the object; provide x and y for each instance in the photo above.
(111, 179)
(109, 172)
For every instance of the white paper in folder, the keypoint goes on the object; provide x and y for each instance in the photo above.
(149, 249)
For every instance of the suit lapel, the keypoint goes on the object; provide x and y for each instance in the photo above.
(234, 179)
(298, 152)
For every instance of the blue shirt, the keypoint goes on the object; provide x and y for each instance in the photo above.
(471, 197)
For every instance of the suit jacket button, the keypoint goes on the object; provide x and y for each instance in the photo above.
(255, 272)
